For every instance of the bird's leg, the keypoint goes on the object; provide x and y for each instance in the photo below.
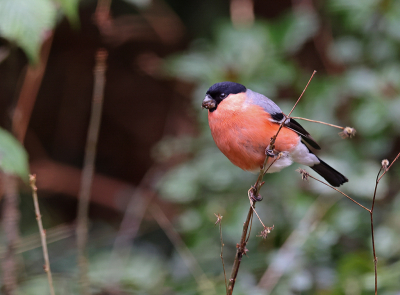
(254, 198)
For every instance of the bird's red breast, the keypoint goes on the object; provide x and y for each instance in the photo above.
(242, 131)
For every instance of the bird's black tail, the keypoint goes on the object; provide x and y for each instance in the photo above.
(332, 176)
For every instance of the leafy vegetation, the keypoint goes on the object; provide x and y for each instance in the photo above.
(28, 23)
(13, 157)
(321, 243)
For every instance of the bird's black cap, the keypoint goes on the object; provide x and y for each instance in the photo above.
(225, 88)
(219, 91)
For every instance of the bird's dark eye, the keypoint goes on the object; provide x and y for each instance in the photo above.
(222, 95)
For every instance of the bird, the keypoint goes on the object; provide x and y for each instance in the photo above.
(242, 123)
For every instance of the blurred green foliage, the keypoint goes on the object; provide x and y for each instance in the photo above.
(321, 243)
(28, 23)
(335, 255)
(13, 157)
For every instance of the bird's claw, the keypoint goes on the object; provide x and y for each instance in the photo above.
(269, 153)
(257, 198)
(253, 197)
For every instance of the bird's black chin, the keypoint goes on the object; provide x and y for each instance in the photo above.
(209, 103)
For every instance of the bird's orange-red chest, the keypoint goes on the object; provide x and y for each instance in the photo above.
(242, 131)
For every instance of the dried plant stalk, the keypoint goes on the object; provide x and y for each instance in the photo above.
(32, 180)
(385, 167)
(10, 222)
(88, 166)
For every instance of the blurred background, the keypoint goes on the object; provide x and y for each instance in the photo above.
(159, 179)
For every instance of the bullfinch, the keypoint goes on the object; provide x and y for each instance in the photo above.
(242, 123)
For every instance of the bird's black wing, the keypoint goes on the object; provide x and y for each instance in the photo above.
(296, 127)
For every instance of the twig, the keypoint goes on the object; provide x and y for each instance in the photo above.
(301, 95)
(219, 221)
(242, 13)
(348, 132)
(319, 122)
(253, 194)
(10, 221)
(29, 90)
(258, 216)
(372, 233)
(272, 143)
(241, 250)
(102, 14)
(88, 166)
(275, 159)
(32, 179)
(249, 194)
(32, 241)
(302, 171)
(385, 167)
(204, 284)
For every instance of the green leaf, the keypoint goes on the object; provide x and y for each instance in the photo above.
(13, 157)
(26, 23)
(70, 9)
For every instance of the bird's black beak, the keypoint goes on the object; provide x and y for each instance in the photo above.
(209, 102)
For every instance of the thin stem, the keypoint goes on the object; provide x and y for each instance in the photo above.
(222, 254)
(375, 258)
(250, 227)
(378, 178)
(88, 166)
(301, 95)
(386, 170)
(287, 116)
(241, 250)
(32, 179)
(372, 231)
(275, 159)
(29, 90)
(254, 209)
(354, 201)
(320, 122)
(10, 222)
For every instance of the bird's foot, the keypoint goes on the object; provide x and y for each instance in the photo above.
(253, 197)
(257, 198)
(270, 153)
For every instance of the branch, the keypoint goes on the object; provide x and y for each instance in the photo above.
(384, 167)
(387, 169)
(32, 179)
(348, 132)
(305, 176)
(10, 221)
(241, 250)
(219, 219)
(88, 167)
(29, 90)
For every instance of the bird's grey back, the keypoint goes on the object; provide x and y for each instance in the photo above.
(263, 101)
